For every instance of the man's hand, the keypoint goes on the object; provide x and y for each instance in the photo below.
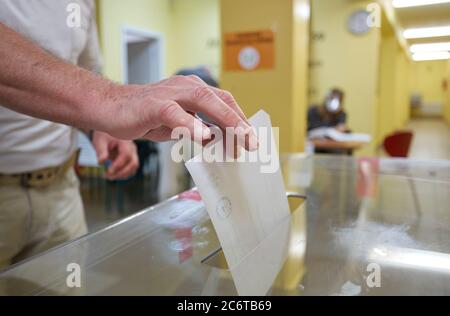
(153, 111)
(37, 84)
(122, 153)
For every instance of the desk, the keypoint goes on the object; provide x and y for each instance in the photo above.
(339, 234)
(329, 144)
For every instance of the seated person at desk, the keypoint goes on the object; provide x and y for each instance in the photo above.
(202, 72)
(330, 113)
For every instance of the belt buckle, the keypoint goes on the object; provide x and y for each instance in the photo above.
(24, 180)
(28, 180)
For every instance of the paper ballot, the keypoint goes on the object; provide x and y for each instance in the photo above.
(248, 207)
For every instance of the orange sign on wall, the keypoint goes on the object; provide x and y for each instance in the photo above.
(249, 50)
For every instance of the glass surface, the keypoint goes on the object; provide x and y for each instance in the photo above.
(368, 227)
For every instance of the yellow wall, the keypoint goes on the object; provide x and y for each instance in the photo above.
(403, 89)
(190, 29)
(280, 91)
(154, 15)
(346, 61)
(427, 78)
(394, 87)
(300, 84)
(447, 108)
(197, 33)
(387, 87)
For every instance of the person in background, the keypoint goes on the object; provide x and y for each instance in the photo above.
(202, 72)
(330, 114)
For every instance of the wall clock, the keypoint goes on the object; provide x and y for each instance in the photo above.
(357, 23)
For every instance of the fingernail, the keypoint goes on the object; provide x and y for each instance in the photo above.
(202, 132)
(252, 139)
(253, 143)
(206, 133)
(244, 126)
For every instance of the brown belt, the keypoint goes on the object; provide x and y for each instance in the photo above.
(39, 178)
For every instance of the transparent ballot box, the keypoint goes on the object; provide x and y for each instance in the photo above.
(367, 226)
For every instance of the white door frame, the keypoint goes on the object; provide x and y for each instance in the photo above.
(142, 33)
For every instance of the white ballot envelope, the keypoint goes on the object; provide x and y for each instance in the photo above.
(248, 207)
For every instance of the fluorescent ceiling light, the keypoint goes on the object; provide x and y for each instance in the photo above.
(303, 10)
(431, 56)
(432, 47)
(415, 3)
(427, 32)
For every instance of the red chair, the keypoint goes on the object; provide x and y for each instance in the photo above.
(398, 143)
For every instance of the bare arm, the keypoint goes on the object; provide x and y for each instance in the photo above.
(341, 127)
(37, 84)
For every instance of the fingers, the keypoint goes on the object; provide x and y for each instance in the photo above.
(160, 134)
(224, 95)
(208, 102)
(125, 163)
(117, 164)
(233, 152)
(222, 108)
(128, 171)
(101, 148)
(227, 97)
(178, 95)
(173, 116)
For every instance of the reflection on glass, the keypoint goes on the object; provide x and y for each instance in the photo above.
(347, 231)
(411, 258)
(277, 262)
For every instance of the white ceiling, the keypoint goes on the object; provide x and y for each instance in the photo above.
(425, 16)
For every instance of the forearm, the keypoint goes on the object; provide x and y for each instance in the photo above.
(35, 83)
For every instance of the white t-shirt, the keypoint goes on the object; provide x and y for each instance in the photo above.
(27, 143)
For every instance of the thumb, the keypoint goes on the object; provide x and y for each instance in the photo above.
(101, 148)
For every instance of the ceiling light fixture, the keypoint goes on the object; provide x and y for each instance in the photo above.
(431, 56)
(431, 47)
(416, 3)
(427, 32)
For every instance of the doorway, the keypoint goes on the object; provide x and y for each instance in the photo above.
(142, 56)
(143, 59)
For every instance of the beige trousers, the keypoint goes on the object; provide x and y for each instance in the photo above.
(33, 220)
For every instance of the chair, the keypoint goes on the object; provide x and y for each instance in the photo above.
(398, 143)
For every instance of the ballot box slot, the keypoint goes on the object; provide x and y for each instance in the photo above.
(217, 259)
(215, 252)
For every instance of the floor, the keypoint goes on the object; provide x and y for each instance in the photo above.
(106, 202)
(431, 139)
